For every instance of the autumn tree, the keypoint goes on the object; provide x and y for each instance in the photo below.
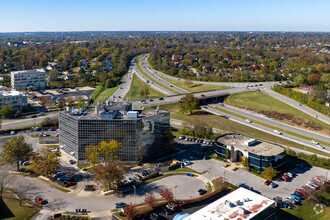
(129, 211)
(110, 149)
(144, 92)
(70, 101)
(108, 173)
(92, 154)
(189, 103)
(290, 152)
(167, 194)
(245, 161)
(16, 149)
(269, 173)
(47, 161)
(219, 184)
(60, 104)
(5, 179)
(150, 200)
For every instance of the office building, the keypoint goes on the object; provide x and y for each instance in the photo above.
(25, 79)
(143, 134)
(260, 153)
(13, 98)
(239, 204)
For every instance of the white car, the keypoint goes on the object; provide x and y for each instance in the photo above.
(272, 185)
(187, 163)
(320, 146)
(314, 142)
(277, 132)
(248, 121)
(12, 132)
(182, 137)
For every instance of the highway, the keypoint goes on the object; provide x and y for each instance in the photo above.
(264, 119)
(230, 84)
(296, 105)
(150, 72)
(266, 129)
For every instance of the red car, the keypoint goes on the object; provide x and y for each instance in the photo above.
(268, 182)
(285, 177)
(39, 200)
(301, 192)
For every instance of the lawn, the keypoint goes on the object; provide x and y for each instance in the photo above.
(97, 92)
(152, 79)
(10, 209)
(262, 101)
(106, 94)
(137, 84)
(228, 126)
(194, 87)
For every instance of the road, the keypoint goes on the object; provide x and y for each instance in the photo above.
(25, 121)
(267, 130)
(150, 72)
(230, 84)
(296, 105)
(264, 119)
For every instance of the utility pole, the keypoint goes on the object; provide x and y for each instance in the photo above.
(134, 194)
(224, 176)
(175, 191)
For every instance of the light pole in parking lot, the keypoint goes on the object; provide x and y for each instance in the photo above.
(224, 176)
(134, 194)
(175, 191)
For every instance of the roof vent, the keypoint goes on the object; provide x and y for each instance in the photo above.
(241, 210)
(246, 199)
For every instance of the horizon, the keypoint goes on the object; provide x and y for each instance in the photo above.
(169, 15)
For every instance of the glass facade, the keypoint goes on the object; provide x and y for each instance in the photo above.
(141, 138)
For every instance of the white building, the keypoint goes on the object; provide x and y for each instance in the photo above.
(13, 98)
(24, 79)
(239, 204)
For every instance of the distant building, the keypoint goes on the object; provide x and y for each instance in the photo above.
(308, 89)
(143, 134)
(13, 98)
(239, 204)
(24, 79)
(260, 153)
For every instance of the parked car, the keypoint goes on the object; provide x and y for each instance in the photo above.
(182, 137)
(41, 114)
(34, 116)
(12, 132)
(268, 182)
(243, 185)
(121, 205)
(171, 207)
(201, 191)
(39, 200)
(273, 185)
(72, 161)
(166, 211)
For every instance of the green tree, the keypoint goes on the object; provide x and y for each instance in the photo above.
(47, 161)
(6, 111)
(227, 154)
(189, 103)
(269, 173)
(16, 149)
(290, 152)
(80, 102)
(300, 79)
(144, 92)
(43, 62)
(245, 162)
(60, 104)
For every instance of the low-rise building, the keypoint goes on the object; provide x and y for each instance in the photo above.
(239, 204)
(259, 153)
(24, 79)
(13, 98)
(143, 134)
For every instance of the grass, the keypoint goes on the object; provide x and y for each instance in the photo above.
(153, 80)
(262, 101)
(194, 87)
(230, 126)
(106, 94)
(10, 208)
(165, 175)
(305, 211)
(186, 170)
(137, 84)
(270, 126)
(97, 92)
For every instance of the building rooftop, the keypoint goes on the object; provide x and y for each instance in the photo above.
(29, 71)
(249, 144)
(239, 204)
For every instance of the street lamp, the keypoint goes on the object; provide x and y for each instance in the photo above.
(175, 191)
(224, 176)
(134, 194)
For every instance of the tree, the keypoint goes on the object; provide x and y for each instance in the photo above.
(80, 102)
(188, 82)
(47, 161)
(43, 62)
(70, 101)
(22, 188)
(144, 92)
(300, 79)
(108, 173)
(313, 78)
(290, 152)
(167, 194)
(189, 103)
(110, 149)
(245, 161)
(269, 173)
(227, 154)
(129, 211)
(5, 179)
(16, 149)
(60, 104)
(92, 154)
(150, 200)
(219, 184)
(6, 111)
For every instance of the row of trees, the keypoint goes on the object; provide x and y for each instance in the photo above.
(197, 129)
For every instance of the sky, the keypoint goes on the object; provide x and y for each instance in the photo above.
(164, 15)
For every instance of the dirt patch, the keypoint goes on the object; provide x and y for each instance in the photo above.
(291, 119)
